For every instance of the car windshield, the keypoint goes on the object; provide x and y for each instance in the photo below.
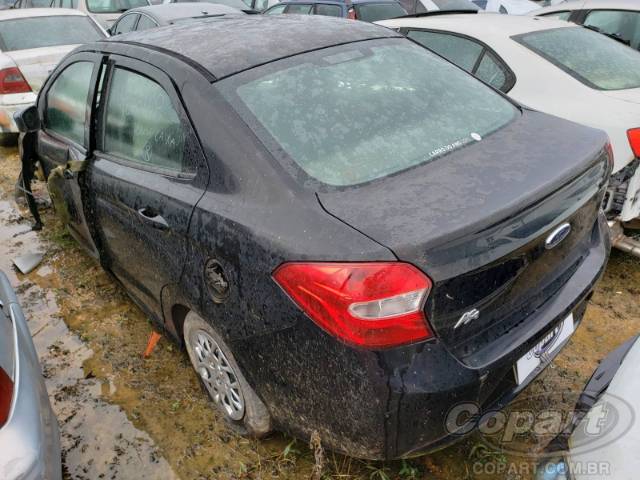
(374, 12)
(37, 32)
(593, 59)
(114, 6)
(354, 113)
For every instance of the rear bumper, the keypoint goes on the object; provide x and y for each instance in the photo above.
(435, 382)
(30, 440)
(9, 104)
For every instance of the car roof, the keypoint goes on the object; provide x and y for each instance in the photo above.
(589, 4)
(230, 44)
(38, 12)
(335, 2)
(485, 26)
(172, 11)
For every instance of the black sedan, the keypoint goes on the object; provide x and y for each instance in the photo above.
(144, 18)
(349, 234)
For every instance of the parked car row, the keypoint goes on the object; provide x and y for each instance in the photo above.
(406, 214)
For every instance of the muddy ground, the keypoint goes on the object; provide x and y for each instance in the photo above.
(122, 416)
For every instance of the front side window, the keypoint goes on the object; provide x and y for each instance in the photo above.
(458, 50)
(276, 10)
(622, 25)
(300, 9)
(357, 112)
(126, 24)
(39, 32)
(328, 10)
(590, 57)
(374, 12)
(141, 124)
(114, 6)
(66, 106)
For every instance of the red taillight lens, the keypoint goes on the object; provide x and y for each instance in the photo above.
(12, 81)
(374, 305)
(634, 140)
(351, 14)
(6, 394)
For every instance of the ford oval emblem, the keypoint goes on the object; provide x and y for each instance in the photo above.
(557, 236)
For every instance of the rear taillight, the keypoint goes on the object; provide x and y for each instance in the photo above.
(6, 394)
(634, 140)
(12, 81)
(373, 305)
(609, 149)
(351, 14)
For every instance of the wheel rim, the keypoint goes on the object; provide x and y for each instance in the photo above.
(217, 374)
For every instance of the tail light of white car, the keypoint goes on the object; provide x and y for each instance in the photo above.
(12, 81)
(6, 394)
(633, 135)
(372, 305)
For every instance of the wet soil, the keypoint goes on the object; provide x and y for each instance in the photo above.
(123, 416)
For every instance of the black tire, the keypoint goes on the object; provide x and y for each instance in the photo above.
(255, 420)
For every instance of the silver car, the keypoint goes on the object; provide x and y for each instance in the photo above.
(29, 434)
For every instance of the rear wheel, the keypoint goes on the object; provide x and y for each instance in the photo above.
(223, 380)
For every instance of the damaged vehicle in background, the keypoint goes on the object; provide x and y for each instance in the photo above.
(604, 428)
(29, 433)
(558, 68)
(324, 230)
(32, 42)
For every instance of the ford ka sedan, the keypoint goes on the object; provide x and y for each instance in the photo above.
(349, 234)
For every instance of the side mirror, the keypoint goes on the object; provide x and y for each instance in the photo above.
(27, 119)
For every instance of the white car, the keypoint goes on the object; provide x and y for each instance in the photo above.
(26, 60)
(617, 18)
(559, 68)
(106, 12)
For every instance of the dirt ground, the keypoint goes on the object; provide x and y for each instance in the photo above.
(122, 416)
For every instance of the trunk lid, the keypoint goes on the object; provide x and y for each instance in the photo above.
(37, 63)
(476, 221)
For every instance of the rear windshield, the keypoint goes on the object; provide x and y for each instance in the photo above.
(37, 32)
(354, 113)
(114, 6)
(373, 12)
(592, 58)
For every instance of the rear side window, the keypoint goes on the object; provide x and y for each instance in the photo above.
(328, 10)
(622, 25)
(276, 10)
(126, 23)
(354, 113)
(67, 102)
(590, 57)
(38, 32)
(455, 5)
(373, 12)
(461, 51)
(141, 124)
(145, 23)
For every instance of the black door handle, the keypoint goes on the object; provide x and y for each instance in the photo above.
(151, 216)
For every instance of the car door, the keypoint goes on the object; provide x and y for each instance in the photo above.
(144, 180)
(63, 141)
(468, 54)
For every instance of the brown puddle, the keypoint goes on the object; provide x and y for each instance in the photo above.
(125, 417)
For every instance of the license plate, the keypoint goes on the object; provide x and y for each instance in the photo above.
(541, 353)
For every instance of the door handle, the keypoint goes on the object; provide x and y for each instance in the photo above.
(151, 216)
